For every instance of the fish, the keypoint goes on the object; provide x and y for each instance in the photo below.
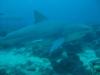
(45, 29)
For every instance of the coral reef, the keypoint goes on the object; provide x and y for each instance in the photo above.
(72, 58)
(17, 64)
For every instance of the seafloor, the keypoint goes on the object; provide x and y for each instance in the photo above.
(72, 58)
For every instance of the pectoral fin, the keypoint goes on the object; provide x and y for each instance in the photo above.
(56, 44)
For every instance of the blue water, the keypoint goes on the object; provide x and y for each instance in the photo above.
(66, 57)
(73, 11)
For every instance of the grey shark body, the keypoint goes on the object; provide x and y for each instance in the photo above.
(59, 31)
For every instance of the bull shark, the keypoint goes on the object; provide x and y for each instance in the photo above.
(45, 29)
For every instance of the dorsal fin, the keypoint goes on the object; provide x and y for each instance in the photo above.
(39, 17)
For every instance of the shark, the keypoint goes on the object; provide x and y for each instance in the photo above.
(59, 31)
